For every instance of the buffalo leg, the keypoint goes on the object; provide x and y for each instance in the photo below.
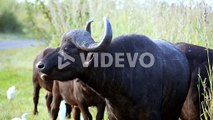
(36, 97)
(85, 111)
(69, 110)
(55, 107)
(76, 113)
(100, 109)
(49, 98)
(56, 101)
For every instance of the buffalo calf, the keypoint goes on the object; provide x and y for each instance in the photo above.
(38, 83)
(77, 94)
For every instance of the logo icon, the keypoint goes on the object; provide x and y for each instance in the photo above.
(64, 60)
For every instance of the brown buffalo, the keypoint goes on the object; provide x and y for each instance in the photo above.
(38, 83)
(76, 93)
(199, 61)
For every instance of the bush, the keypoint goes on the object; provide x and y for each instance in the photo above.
(9, 23)
(50, 21)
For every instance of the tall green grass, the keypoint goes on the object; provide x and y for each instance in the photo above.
(155, 19)
(206, 86)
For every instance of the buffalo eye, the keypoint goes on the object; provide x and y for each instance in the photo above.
(65, 49)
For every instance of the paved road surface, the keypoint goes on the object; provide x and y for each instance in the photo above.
(18, 44)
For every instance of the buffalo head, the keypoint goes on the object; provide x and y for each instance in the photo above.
(73, 43)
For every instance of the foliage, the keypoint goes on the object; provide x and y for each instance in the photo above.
(175, 22)
(8, 19)
(206, 87)
(56, 17)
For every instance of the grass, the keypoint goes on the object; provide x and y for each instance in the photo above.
(16, 69)
(157, 20)
(12, 36)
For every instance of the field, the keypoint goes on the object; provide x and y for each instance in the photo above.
(16, 69)
(8, 36)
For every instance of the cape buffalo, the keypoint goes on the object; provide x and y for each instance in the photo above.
(200, 60)
(150, 87)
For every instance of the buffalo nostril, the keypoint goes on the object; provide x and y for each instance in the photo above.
(40, 65)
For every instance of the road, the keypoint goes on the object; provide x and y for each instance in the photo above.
(18, 44)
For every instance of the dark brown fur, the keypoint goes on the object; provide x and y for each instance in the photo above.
(198, 61)
(78, 94)
(38, 83)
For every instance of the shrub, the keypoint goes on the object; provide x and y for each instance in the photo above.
(9, 23)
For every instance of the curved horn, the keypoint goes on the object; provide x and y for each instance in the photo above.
(88, 26)
(84, 41)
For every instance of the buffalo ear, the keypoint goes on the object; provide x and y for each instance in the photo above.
(89, 59)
